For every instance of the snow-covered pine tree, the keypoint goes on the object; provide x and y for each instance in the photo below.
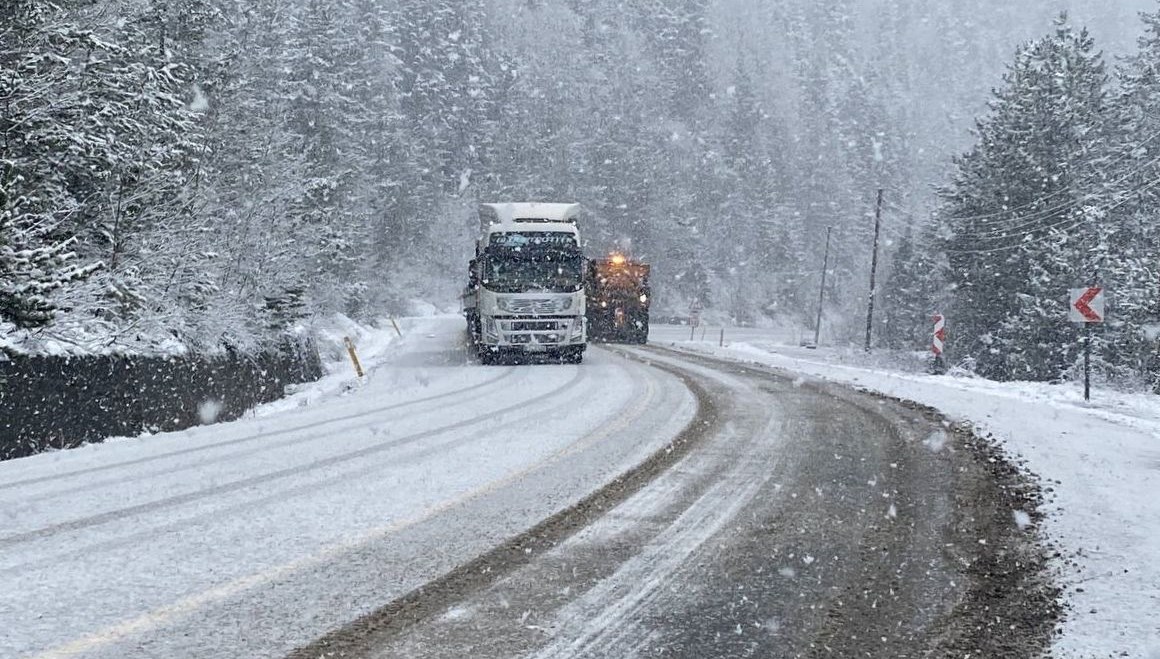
(181, 26)
(1018, 213)
(1133, 267)
(381, 148)
(448, 85)
(250, 173)
(325, 113)
(911, 294)
(444, 85)
(829, 183)
(145, 206)
(689, 188)
(764, 266)
(33, 265)
(37, 242)
(428, 48)
(678, 32)
(104, 145)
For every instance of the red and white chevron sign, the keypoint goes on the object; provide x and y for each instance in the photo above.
(940, 335)
(1087, 305)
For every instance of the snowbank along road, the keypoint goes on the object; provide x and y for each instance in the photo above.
(645, 503)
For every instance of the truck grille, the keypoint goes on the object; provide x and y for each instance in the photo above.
(544, 332)
(535, 306)
(536, 326)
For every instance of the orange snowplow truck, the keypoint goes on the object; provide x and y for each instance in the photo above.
(618, 299)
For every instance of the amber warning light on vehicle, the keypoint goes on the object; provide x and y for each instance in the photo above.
(619, 259)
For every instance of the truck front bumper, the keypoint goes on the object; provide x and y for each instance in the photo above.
(534, 333)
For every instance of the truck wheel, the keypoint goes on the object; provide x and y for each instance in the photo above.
(487, 356)
(640, 329)
(473, 332)
(574, 356)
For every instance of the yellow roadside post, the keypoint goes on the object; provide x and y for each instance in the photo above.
(353, 357)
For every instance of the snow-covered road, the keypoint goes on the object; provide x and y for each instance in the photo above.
(796, 519)
(255, 537)
(313, 517)
(1099, 463)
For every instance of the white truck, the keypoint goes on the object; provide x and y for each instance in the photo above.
(525, 294)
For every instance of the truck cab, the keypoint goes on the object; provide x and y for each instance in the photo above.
(526, 293)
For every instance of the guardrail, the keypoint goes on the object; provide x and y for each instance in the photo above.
(49, 402)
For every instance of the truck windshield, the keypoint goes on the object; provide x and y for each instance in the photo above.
(512, 274)
(534, 240)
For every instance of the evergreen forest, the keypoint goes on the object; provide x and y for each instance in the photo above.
(188, 175)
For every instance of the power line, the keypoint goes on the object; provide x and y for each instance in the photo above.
(1026, 227)
(1016, 209)
(1032, 218)
(1031, 221)
(1065, 224)
(1069, 227)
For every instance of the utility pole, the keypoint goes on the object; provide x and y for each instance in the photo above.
(873, 270)
(822, 292)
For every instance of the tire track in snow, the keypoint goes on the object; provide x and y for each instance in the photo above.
(253, 438)
(363, 419)
(104, 638)
(313, 488)
(608, 618)
(178, 500)
(357, 637)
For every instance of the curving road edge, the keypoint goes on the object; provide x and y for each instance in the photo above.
(791, 518)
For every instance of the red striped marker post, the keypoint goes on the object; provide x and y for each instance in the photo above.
(938, 343)
(1087, 306)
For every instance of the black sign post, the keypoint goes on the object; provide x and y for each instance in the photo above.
(1086, 305)
(1087, 361)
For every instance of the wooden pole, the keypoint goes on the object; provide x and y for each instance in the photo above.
(873, 270)
(822, 292)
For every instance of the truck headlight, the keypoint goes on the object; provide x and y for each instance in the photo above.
(577, 330)
(643, 298)
(490, 329)
(503, 304)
